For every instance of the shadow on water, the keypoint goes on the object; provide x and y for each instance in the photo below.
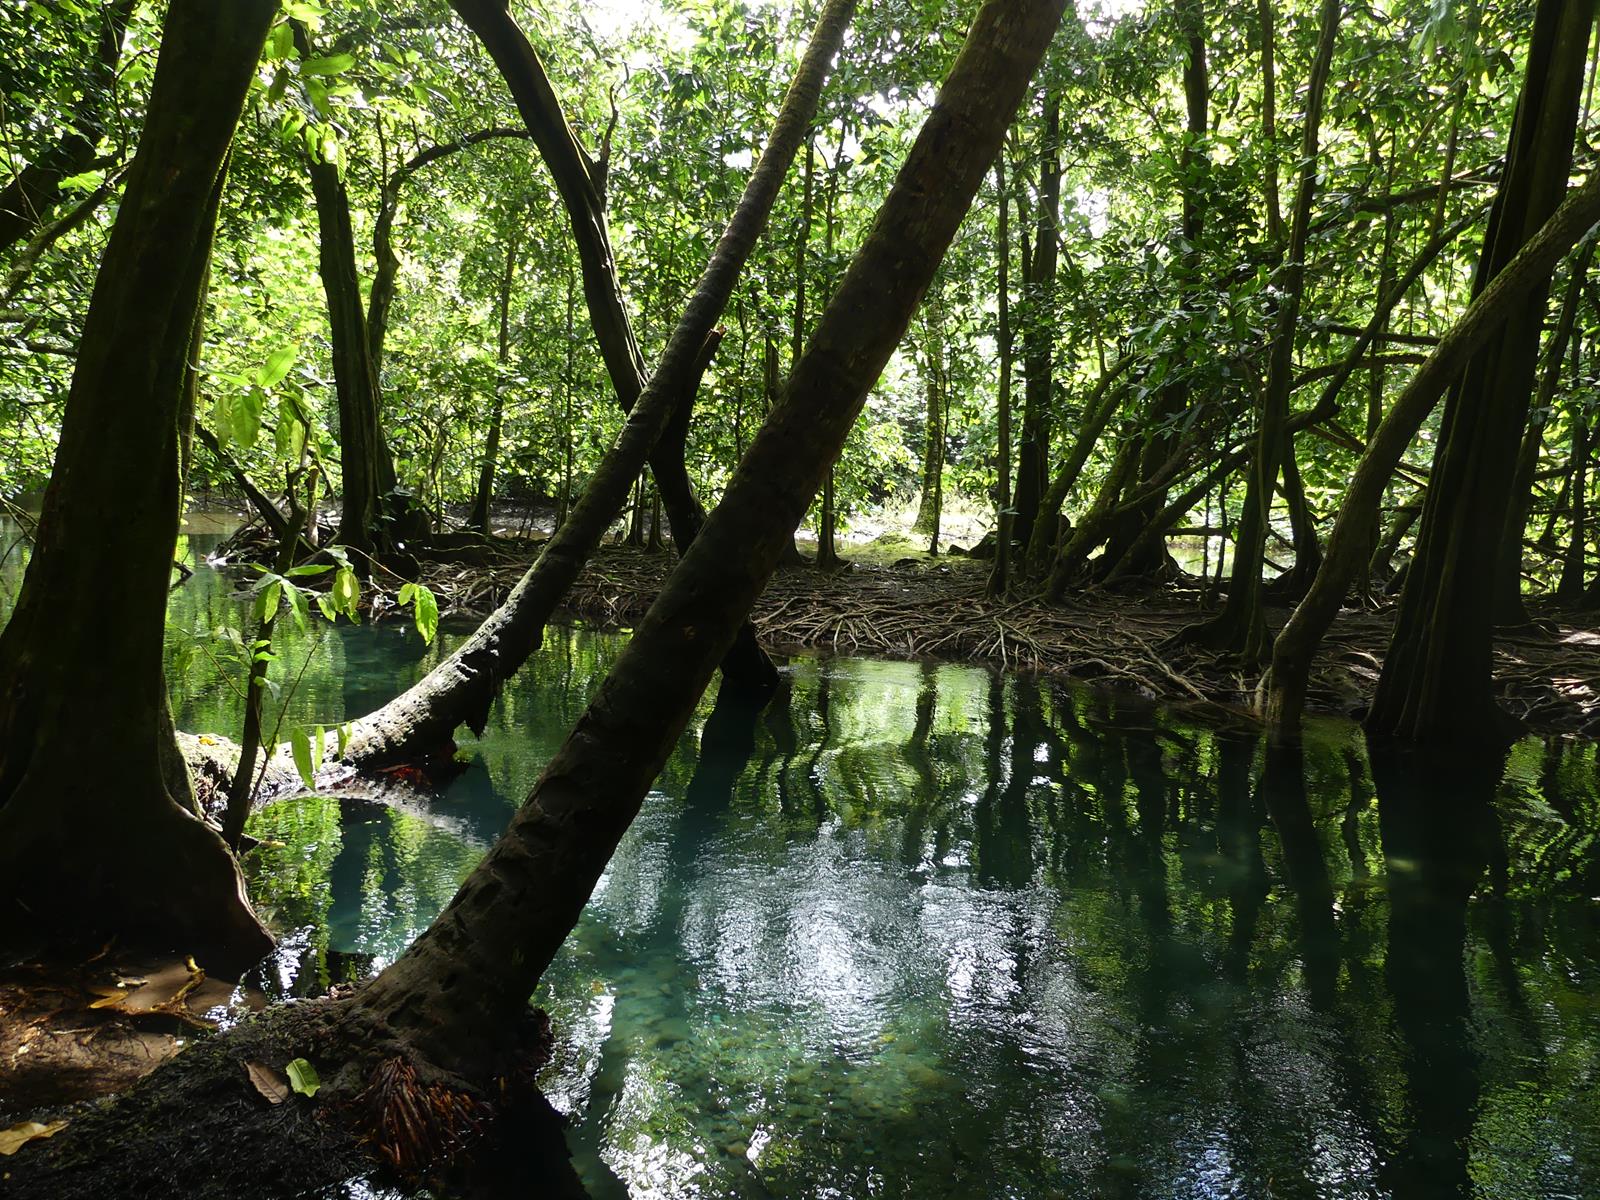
(929, 931)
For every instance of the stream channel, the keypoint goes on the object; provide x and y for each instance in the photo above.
(921, 930)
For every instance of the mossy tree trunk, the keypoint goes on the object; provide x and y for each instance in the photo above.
(1005, 516)
(1436, 681)
(107, 844)
(467, 979)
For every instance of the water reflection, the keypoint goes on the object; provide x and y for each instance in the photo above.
(929, 931)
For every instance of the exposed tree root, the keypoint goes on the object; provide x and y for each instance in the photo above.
(1547, 676)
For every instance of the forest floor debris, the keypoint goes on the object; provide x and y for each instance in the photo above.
(1547, 674)
(71, 1031)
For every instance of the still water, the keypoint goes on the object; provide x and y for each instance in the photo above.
(930, 931)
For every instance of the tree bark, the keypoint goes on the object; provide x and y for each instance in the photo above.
(1436, 680)
(506, 923)
(106, 844)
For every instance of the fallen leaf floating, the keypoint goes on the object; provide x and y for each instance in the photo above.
(268, 1082)
(18, 1136)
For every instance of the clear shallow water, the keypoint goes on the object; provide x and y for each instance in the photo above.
(929, 931)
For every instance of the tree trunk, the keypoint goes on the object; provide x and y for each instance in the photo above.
(506, 923)
(578, 181)
(105, 844)
(1038, 331)
(1508, 607)
(380, 296)
(927, 518)
(374, 518)
(1436, 683)
(1504, 299)
(1240, 628)
(1000, 576)
(459, 691)
(1151, 557)
(479, 517)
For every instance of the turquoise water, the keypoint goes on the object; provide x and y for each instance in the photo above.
(930, 931)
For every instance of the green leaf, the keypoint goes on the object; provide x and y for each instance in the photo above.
(346, 592)
(271, 372)
(344, 737)
(300, 747)
(332, 64)
(267, 601)
(319, 747)
(298, 605)
(325, 603)
(427, 613)
(280, 44)
(245, 416)
(407, 590)
(308, 569)
(303, 1077)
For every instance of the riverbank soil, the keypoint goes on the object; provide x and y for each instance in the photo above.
(75, 1030)
(1547, 673)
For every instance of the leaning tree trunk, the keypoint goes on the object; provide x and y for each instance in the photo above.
(107, 844)
(504, 926)
(580, 183)
(1436, 680)
(1283, 689)
(459, 691)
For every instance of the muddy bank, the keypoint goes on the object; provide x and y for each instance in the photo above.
(1547, 674)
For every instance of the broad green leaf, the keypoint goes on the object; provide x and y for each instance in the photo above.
(300, 747)
(267, 601)
(303, 1077)
(427, 613)
(308, 569)
(344, 737)
(331, 64)
(346, 592)
(319, 747)
(407, 590)
(325, 603)
(298, 605)
(245, 416)
(271, 372)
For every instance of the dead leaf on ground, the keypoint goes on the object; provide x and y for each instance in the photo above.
(268, 1082)
(18, 1136)
(109, 997)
